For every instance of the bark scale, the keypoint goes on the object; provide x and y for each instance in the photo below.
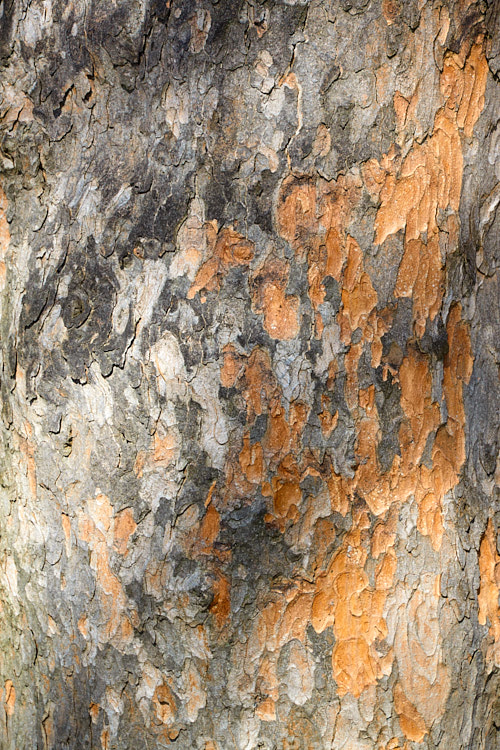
(249, 328)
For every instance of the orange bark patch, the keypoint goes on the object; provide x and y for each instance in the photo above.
(209, 530)
(163, 449)
(280, 310)
(489, 608)
(287, 497)
(83, 625)
(345, 600)
(259, 384)
(339, 489)
(10, 697)
(94, 711)
(280, 621)
(266, 710)
(401, 108)
(472, 87)
(164, 703)
(123, 530)
(97, 530)
(416, 401)
(281, 313)
(430, 180)
(252, 461)
(349, 590)
(373, 177)
(328, 421)
(276, 441)
(338, 200)
(162, 453)
(313, 216)
(66, 524)
(230, 249)
(412, 724)
(448, 453)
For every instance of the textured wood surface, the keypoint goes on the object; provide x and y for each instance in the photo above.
(249, 333)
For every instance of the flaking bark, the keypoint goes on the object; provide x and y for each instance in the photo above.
(249, 349)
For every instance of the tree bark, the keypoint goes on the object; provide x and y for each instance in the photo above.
(249, 328)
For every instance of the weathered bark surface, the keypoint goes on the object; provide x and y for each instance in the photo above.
(249, 379)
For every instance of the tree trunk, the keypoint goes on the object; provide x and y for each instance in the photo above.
(249, 374)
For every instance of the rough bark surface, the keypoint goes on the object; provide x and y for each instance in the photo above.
(249, 328)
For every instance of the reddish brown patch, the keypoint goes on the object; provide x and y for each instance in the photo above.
(232, 367)
(401, 108)
(287, 497)
(221, 604)
(338, 200)
(313, 216)
(391, 10)
(162, 453)
(281, 313)
(209, 530)
(448, 453)
(94, 711)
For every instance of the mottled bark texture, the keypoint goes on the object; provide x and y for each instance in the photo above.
(249, 374)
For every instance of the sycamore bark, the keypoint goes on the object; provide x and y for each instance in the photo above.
(249, 374)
